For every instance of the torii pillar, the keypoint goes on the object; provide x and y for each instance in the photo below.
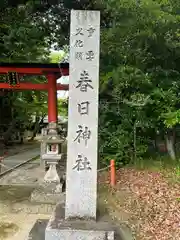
(52, 184)
(53, 139)
(52, 99)
(52, 113)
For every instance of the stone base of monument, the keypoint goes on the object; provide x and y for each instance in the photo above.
(58, 228)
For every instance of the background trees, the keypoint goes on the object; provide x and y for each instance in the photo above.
(140, 78)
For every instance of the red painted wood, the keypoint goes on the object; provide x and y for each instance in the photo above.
(34, 86)
(52, 98)
(35, 71)
(52, 72)
(64, 87)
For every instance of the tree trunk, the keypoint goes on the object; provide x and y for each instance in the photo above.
(8, 133)
(2, 148)
(170, 141)
(134, 140)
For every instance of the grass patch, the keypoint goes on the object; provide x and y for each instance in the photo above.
(36, 158)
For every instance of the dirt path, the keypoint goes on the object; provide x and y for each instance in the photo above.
(18, 213)
(16, 148)
(18, 226)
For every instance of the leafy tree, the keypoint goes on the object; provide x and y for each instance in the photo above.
(51, 19)
(63, 107)
(21, 40)
(139, 80)
(56, 57)
(140, 55)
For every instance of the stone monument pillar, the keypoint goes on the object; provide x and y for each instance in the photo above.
(79, 220)
(83, 115)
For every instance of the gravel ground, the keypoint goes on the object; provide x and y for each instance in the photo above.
(18, 226)
(18, 214)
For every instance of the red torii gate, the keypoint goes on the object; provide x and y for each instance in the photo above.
(51, 71)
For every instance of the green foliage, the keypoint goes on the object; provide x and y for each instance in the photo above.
(121, 104)
(28, 30)
(28, 104)
(21, 40)
(54, 17)
(63, 107)
(139, 76)
(56, 57)
(171, 118)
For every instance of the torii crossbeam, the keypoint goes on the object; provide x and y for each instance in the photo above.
(51, 71)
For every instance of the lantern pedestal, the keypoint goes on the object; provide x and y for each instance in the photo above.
(50, 188)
